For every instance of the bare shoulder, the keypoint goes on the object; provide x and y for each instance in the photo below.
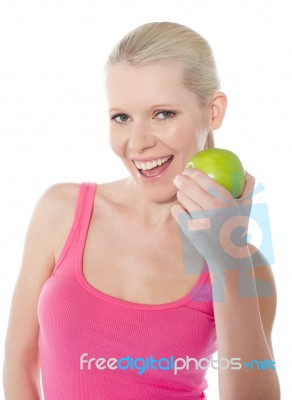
(57, 204)
(57, 208)
(61, 199)
(60, 195)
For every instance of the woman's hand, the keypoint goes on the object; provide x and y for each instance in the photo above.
(214, 222)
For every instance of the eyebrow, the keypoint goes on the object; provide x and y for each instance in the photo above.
(151, 108)
(115, 109)
(165, 105)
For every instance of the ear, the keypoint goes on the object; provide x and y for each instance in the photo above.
(218, 106)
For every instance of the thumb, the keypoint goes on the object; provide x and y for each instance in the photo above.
(176, 210)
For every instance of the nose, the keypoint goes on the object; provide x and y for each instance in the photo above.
(141, 137)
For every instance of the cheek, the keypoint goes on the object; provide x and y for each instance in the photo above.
(188, 136)
(196, 133)
(117, 143)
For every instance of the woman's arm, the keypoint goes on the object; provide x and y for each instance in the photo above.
(243, 316)
(244, 330)
(267, 304)
(21, 372)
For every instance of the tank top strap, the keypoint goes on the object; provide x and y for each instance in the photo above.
(87, 203)
(77, 235)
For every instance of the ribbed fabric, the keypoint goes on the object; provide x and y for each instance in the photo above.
(76, 318)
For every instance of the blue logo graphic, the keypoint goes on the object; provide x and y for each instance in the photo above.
(264, 364)
(220, 237)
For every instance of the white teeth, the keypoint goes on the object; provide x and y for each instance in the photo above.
(151, 164)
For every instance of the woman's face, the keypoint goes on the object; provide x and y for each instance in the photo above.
(156, 124)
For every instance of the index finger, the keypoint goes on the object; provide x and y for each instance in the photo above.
(210, 186)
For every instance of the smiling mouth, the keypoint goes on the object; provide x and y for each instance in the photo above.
(155, 167)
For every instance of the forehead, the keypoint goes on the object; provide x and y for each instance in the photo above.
(150, 83)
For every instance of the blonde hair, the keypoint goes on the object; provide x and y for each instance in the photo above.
(168, 42)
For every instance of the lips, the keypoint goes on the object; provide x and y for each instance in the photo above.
(151, 169)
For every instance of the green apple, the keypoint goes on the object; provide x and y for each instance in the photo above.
(223, 166)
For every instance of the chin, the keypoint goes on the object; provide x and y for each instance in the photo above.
(161, 194)
(155, 186)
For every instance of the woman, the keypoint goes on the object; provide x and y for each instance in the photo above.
(103, 298)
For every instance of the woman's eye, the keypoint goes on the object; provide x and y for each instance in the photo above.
(120, 118)
(165, 114)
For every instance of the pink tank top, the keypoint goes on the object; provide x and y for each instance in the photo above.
(94, 346)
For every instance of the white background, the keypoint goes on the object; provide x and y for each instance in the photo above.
(53, 120)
